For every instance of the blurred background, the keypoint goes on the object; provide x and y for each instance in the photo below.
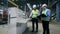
(24, 8)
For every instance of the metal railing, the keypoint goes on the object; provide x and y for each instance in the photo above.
(13, 3)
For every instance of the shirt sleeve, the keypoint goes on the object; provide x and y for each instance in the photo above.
(48, 12)
(30, 14)
(38, 13)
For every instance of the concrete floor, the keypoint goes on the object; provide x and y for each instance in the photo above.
(54, 29)
(3, 29)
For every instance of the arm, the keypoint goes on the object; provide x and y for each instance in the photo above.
(30, 14)
(38, 13)
(49, 13)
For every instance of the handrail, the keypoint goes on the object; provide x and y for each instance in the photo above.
(13, 3)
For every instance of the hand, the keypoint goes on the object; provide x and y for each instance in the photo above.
(43, 15)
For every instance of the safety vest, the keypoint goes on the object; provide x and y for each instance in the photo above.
(34, 13)
(45, 13)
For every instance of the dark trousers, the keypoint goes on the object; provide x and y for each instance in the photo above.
(34, 21)
(45, 25)
(39, 17)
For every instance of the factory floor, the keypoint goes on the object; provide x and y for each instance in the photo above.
(54, 28)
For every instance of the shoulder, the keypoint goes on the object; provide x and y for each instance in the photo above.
(37, 10)
(32, 10)
(48, 9)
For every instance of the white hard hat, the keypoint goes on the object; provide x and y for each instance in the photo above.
(34, 6)
(44, 5)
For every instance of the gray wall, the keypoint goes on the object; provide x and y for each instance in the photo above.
(58, 11)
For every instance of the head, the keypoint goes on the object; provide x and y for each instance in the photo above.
(34, 7)
(44, 6)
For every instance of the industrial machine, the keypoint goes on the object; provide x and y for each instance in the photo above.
(3, 17)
